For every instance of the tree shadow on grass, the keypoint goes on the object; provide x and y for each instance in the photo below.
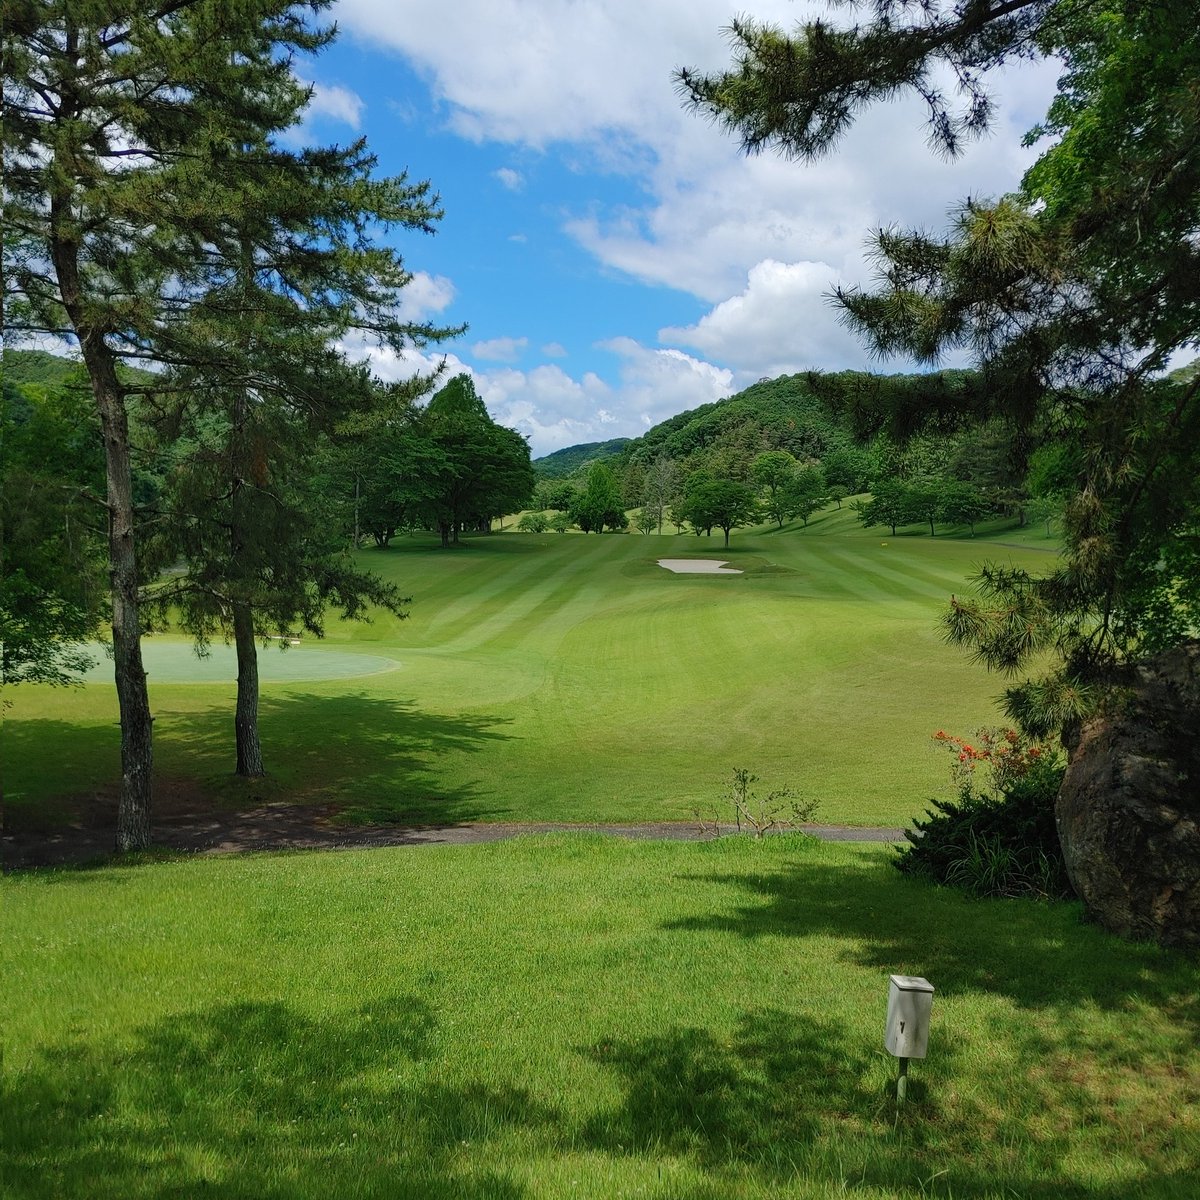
(257, 1100)
(1092, 1054)
(788, 1099)
(335, 762)
(1040, 956)
(754, 1098)
(377, 757)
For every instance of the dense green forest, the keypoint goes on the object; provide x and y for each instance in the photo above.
(561, 463)
(784, 447)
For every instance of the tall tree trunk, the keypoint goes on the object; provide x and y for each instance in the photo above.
(133, 700)
(245, 717)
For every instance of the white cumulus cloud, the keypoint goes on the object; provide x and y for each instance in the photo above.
(513, 180)
(554, 409)
(593, 84)
(501, 349)
(656, 384)
(425, 296)
(335, 103)
(759, 240)
(780, 323)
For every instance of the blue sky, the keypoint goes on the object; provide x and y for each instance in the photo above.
(616, 257)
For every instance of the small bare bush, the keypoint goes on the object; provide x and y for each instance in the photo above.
(779, 809)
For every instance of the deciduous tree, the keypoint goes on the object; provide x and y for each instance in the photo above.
(481, 470)
(719, 503)
(52, 586)
(600, 506)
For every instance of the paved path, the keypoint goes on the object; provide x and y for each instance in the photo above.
(670, 831)
(297, 827)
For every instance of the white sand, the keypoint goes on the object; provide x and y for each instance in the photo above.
(698, 566)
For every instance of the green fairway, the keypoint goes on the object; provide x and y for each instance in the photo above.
(571, 678)
(578, 1016)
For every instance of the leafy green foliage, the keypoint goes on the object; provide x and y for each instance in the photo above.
(718, 503)
(572, 460)
(773, 415)
(799, 94)
(556, 494)
(533, 522)
(646, 520)
(885, 507)
(52, 587)
(600, 506)
(1003, 845)
(1000, 837)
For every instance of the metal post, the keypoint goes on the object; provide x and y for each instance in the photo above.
(902, 1082)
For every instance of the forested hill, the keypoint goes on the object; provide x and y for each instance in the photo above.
(567, 461)
(39, 367)
(810, 415)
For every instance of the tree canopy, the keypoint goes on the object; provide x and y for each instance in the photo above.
(52, 590)
(1072, 295)
(153, 213)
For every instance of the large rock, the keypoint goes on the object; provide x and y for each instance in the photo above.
(1129, 809)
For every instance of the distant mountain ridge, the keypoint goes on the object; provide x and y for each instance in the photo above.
(42, 368)
(810, 415)
(38, 366)
(562, 463)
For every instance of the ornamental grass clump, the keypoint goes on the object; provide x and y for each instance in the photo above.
(998, 838)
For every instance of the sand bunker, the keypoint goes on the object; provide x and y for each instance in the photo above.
(698, 566)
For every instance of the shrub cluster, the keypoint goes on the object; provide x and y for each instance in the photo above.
(1000, 842)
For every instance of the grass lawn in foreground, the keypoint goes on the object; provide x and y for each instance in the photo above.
(570, 678)
(578, 1016)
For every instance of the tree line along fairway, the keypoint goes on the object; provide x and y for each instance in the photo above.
(570, 678)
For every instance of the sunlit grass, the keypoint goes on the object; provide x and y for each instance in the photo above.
(579, 1016)
(570, 678)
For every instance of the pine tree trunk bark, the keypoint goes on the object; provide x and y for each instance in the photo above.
(245, 717)
(133, 700)
(245, 714)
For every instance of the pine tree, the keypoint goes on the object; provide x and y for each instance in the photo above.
(1072, 295)
(140, 161)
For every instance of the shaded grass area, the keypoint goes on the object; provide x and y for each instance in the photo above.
(570, 678)
(374, 756)
(569, 1016)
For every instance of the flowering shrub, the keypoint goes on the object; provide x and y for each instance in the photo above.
(999, 838)
(1004, 755)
